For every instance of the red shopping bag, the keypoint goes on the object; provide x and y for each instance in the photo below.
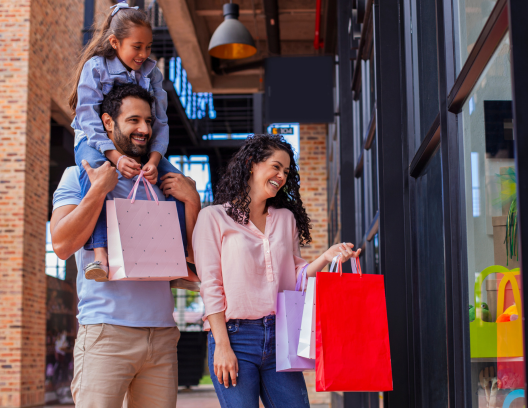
(352, 334)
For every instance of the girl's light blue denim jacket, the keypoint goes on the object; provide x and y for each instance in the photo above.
(98, 77)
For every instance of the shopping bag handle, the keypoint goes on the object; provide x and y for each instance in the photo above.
(147, 188)
(339, 266)
(336, 262)
(358, 266)
(301, 279)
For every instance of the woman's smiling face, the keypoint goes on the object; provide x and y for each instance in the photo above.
(269, 176)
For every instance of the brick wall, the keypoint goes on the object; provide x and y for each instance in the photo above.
(313, 172)
(39, 42)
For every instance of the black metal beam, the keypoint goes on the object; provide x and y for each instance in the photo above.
(518, 10)
(346, 148)
(271, 10)
(455, 246)
(393, 189)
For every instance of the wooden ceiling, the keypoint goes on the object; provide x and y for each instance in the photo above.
(192, 22)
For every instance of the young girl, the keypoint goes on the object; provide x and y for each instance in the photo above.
(118, 54)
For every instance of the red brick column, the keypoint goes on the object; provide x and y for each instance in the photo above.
(38, 51)
(313, 172)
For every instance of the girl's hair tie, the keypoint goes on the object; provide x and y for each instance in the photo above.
(122, 5)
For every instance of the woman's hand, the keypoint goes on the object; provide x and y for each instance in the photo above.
(225, 365)
(343, 249)
(224, 359)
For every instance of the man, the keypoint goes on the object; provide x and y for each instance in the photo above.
(127, 337)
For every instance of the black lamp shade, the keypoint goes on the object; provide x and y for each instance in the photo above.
(231, 40)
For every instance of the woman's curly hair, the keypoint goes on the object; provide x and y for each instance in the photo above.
(233, 187)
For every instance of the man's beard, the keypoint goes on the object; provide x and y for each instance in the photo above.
(126, 144)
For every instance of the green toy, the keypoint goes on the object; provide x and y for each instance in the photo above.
(485, 313)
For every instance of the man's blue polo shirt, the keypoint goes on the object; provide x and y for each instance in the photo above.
(132, 304)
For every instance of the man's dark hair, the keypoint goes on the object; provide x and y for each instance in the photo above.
(114, 99)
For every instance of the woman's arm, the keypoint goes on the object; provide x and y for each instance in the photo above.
(345, 250)
(207, 243)
(225, 361)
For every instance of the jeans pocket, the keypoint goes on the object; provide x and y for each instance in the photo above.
(94, 333)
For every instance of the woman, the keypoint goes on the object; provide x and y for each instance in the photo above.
(246, 249)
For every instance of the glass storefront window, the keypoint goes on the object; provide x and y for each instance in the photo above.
(495, 297)
(424, 66)
(472, 15)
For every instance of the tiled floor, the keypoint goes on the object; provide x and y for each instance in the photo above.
(203, 396)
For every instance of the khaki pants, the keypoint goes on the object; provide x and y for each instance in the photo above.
(113, 361)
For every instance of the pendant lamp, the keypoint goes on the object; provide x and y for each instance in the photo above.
(231, 40)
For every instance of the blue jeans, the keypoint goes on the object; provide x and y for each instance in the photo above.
(95, 159)
(253, 342)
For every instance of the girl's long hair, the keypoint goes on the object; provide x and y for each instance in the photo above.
(118, 25)
(233, 187)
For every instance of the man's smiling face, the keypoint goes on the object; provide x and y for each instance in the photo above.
(133, 128)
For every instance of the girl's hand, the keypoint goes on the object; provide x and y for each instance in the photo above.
(343, 249)
(150, 171)
(129, 168)
(225, 365)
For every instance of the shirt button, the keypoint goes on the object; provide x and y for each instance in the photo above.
(269, 267)
(267, 252)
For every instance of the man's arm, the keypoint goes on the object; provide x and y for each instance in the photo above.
(184, 189)
(72, 225)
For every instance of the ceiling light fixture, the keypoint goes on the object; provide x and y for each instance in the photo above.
(231, 40)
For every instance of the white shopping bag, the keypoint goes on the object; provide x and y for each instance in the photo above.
(306, 346)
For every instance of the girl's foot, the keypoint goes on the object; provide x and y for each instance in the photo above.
(98, 269)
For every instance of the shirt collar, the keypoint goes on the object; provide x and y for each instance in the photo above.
(115, 66)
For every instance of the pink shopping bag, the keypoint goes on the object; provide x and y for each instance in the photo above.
(144, 238)
(290, 305)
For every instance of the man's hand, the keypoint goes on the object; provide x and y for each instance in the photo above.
(150, 171)
(181, 188)
(104, 178)
(129, 168)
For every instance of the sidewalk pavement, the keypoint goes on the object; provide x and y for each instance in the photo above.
(202, 396)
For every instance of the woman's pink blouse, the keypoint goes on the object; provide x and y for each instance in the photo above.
(242, 269)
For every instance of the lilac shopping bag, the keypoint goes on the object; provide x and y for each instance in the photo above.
(144, 238)
(290, 306)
